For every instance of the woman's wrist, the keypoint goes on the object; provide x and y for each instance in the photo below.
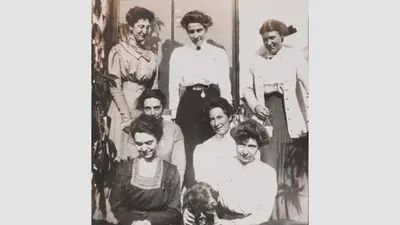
(173, 114)
(126, 117)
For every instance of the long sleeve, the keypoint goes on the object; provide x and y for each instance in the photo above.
(171, 214)
(117, 198)
(267, 196)
(156, 77)
(302, 71)
(178, 156)
(114, 68)
(175, 77)
(224, 81)
(248, 88)
(197, 163)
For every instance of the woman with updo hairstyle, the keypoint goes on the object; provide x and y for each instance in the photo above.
(146, 189)
(196, 17)
(198, 73)
(206, 156)
(134, 69)
(276, 90)
(247, 187)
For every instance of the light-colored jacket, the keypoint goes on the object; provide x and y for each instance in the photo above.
(290, 70)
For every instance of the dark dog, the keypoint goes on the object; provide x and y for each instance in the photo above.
(201, 200)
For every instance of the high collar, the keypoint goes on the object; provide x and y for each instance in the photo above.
(203, 45)
(134, 44)
(263, 52)
(225, 137)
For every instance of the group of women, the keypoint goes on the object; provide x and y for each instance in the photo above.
(237, 161)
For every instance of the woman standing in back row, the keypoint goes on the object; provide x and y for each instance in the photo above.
(276, 87)
(135, 69)
(202, 71)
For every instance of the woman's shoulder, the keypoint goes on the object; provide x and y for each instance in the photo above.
(118, 47)
(292, 52)
(170, 126)
(124, 166)
(180, 50)
(170, 171)
(205, 146)
(265, 168)
(219, 49)
(169, 167)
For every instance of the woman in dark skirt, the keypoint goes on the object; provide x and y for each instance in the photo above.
(201, 71)
(276, 90)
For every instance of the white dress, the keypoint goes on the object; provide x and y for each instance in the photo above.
(207, 157)
(247, 189)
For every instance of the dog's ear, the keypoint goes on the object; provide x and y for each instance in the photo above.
(214, 194)
(187, 198)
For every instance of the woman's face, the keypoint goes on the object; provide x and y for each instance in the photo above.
(219, 121)
(140, 30)
(153, 107)
(146, 145)
(272, 41)
(247, 150)
(196, 33)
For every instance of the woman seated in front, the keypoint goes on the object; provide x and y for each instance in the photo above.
(207, 155)
(221, 146)
(146, 188)
(247, 187)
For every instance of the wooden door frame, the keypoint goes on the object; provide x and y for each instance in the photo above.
(235, 54)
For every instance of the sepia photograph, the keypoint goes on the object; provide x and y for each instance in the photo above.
(200, 112)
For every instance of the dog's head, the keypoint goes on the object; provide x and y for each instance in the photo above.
(201, 200)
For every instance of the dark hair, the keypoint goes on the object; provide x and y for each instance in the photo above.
(136, 13)
(222, 103)
(196, 16)
(274, 25)
(147, 124)
(250, 129)
(197, 201)
(151, 93)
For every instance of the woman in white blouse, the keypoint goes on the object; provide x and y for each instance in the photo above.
(208, 156)
(247, 187)
(202, 71)
(277, 87)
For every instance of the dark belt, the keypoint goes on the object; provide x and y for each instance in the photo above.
(132, 78)
(198, 87)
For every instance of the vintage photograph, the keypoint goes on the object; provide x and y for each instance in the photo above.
(200, 112)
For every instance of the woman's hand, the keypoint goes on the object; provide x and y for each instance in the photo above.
(261, 112)
(188, 218)
(125, 125)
